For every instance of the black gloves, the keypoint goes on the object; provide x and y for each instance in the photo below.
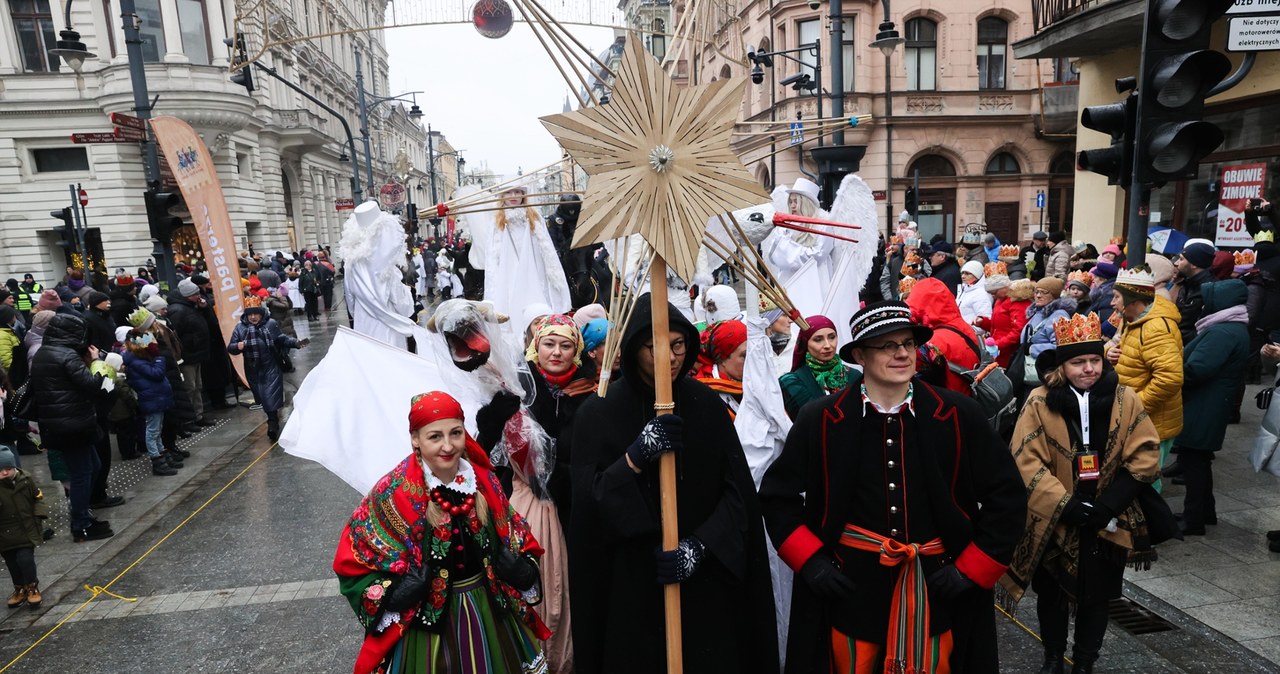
(948, 582)
(662, 434)
(409, 590)
(676, 566)
(491, 418)
(1099, 517)
(515, 570)
(825, 578)
(1076, 513)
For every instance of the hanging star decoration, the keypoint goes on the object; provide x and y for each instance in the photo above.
(658, 158)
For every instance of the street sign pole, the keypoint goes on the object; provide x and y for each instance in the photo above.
(1040, 205)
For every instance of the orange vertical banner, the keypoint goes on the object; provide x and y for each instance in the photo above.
(197, 178)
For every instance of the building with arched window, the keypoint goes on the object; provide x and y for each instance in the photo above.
(282, 160)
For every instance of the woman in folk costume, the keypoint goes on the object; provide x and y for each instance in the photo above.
(1086, 450)
(816, 369)
(721, 361)
(536, 475)
(438, 566)
(521, 266)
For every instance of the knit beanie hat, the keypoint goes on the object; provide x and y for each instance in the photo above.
(1051, 284)
(155, 304)
(122, 333)
(594, 333)
(588, 313)
(7, 315)
(1199, 254)
(1161, 268)
(1106, 270)
(973, 267)
(41, 318)
(148, 291)
(7, 459)
(1058, 236)
(49, 301)
(95, 298)
(187, 288)
(141, 318)
(996, 282)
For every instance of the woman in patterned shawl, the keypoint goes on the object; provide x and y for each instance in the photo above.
(440, 570)
(1087, 451)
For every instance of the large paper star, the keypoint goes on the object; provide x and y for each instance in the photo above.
(659, 159)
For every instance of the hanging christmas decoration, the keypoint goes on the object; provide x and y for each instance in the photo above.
(492, 18)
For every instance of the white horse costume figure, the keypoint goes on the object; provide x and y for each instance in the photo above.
(373, 250)
(514, 249)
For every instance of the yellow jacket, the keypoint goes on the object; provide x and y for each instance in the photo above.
(1151, 364)
(8, 343)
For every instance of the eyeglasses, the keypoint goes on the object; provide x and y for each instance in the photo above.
(891, 348)
(678, 347)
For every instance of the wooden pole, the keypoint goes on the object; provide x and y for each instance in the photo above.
(663, 404)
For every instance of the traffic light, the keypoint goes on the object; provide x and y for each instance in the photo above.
(160, 221)
(67, 231)
(909, 201)
(1116, 120)
(243, 76)
(1178, 71)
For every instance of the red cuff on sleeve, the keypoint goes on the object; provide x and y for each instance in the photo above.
(980, 568)
(798, 548)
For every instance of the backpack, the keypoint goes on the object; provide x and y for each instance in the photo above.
(991, 387)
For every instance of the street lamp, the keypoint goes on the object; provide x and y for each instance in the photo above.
(69, 47)
(887, 41)
(415, 113)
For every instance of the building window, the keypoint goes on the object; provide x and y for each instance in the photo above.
(195, 35)
(993, 34)
(111, 33)
(34, 25)
(151, 30)
(1064, 70)
(846, 52)
(922, 55)
(1064, 164)
(932, 166)
(1002, 163)
(658, 43)
(807, 33)
(60, 159)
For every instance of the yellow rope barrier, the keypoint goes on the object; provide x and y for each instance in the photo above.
(98, 590)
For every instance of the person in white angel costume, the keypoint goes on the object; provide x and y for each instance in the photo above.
(373, 253)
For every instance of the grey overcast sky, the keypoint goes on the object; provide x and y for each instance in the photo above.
(486, 95)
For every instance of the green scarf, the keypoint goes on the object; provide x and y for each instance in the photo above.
(831, 375)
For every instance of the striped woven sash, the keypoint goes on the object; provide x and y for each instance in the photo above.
(907, 649)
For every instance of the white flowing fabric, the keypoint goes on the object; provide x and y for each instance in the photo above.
(380, 303)
(762, 426)
(521, 267)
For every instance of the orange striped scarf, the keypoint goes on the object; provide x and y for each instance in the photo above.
(906, 651)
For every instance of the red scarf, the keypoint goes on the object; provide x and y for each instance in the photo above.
(559, 381)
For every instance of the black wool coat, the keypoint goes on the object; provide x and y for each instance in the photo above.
(806, 496)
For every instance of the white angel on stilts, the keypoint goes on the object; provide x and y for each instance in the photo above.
(373, 252)
(514, 248)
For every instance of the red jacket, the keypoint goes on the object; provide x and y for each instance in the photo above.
(1008, 317)
(934, 306)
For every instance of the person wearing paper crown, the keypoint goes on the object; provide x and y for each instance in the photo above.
(1147, 351)
(895, 562)
(260, 340)
(441, 571)
(1079, 283)
(1086, 450)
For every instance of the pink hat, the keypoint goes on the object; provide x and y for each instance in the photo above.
(49, 301)
(1113, 249)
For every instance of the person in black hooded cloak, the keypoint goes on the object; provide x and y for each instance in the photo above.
(616, 569)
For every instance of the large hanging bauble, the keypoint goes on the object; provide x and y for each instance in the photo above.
(492, 18)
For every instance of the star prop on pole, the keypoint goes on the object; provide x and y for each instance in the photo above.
(659, 159)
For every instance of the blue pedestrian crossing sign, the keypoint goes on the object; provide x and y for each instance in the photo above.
(797, 133)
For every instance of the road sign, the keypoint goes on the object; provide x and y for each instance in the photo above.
(121, 119)
(392, 195)
(1253, 33)
(129, 135)
(879, 195)
(84, 198)
(1039, 199)
(344, 204)
(96, 137)
(797, 133)
(1254, 6)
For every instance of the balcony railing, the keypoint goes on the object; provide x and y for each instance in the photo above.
(1045, 13)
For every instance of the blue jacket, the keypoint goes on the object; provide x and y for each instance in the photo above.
(1039, 329)
(148, 379)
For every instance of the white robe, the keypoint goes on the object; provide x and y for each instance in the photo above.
(521, 268)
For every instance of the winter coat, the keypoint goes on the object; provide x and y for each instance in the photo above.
(102, 329)
(1264, 300)
(260, 366)
(1040, 256)
(188, 324)
(974, 302)
(889, 276)
(9, 346)
(1059, 261)
(148, 379)
(799, 387)
(1038, 330)
(949, 273)
(32, 343)
(281, 310)
(22, 509)
(1100, 304)
(308, 282)
(1213, 366)
(64, 389)
(1190, 303)
(1008, 317)
(1151, 364)
(934, 307)
(124, 301)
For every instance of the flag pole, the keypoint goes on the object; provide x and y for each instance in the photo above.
(663, 404)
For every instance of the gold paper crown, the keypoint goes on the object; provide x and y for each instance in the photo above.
(1244, 257)
(1117, 240)
(1078, 329)
(912, 260)
(1010, 251)
(995, 268)
(1265, 235)
(1082, 276)
(905, 286)
(895, 240)
(911, 241)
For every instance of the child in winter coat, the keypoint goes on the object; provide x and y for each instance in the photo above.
(146, 372)
(22, 511)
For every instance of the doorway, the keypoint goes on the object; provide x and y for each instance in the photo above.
(1002, 220)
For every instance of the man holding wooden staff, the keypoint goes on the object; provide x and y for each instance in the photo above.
(874, 504)
(617, 568)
